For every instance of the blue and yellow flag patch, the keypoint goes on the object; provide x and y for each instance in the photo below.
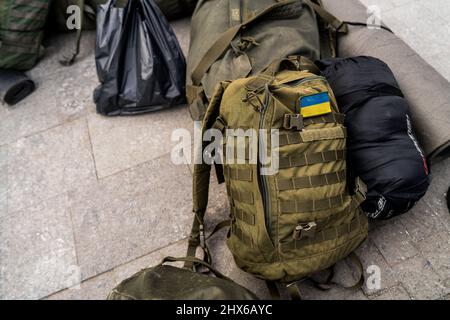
(315, 105)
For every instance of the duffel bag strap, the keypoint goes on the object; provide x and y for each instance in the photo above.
(336, 24)
(194, 260)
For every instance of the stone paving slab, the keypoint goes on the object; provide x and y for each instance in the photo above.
(394, 243)
(123, 142)
(394, 293)
(37, 251)
(124, 216)
(420, 280)
(44, 165)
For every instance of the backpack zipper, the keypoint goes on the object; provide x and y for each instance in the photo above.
(262, 178)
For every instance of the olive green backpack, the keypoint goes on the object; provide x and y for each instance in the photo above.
(303, 217)
(165, 282)
(232, 39)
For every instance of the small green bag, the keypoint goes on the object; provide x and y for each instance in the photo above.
(165, 282)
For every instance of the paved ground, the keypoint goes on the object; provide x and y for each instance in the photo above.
(94, 199)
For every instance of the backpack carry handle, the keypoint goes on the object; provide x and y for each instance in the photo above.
(297, 63)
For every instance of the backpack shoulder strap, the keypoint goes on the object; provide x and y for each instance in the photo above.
(200, 186)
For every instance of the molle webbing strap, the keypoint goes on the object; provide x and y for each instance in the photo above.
(244, 238)
(282, 9)
(312, 205)
(311, 181)
(312, 135)
(328, 234)
(354, 204)
(306, 159)
(241, 215)
(329, 118)
(239, 174)
(242, 196)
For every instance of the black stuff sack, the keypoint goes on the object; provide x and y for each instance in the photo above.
(139, 61)
(382, 148)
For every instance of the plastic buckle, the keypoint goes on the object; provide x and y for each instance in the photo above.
(305, 230)
(202, 237)
(360, 188)
(293, 121)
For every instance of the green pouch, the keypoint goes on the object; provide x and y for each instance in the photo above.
(164, 282)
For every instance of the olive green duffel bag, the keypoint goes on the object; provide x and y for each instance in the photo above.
(165, 282)
(176, 9)
(232, 39)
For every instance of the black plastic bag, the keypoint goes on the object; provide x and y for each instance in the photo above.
(382, 148)
(139, 61)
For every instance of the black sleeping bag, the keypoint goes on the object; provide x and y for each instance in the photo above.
(382, 148)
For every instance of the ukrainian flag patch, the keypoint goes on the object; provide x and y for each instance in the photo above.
(315, 105)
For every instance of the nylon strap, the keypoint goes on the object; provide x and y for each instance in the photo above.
(273, 290)
(355, 202)
(306, 159)
(201, 177)
(193, 260)
(311, 205)
(242, 196)
(221, 225)
(224, 40)
(241, 215)
(330, 283)
(239, 174)
(69, 60)
(326, 16)
(312, 181)
(244, 238)
(294, 291)
(329, 118)
(312, 135)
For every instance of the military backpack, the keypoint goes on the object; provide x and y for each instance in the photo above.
(305, 215)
